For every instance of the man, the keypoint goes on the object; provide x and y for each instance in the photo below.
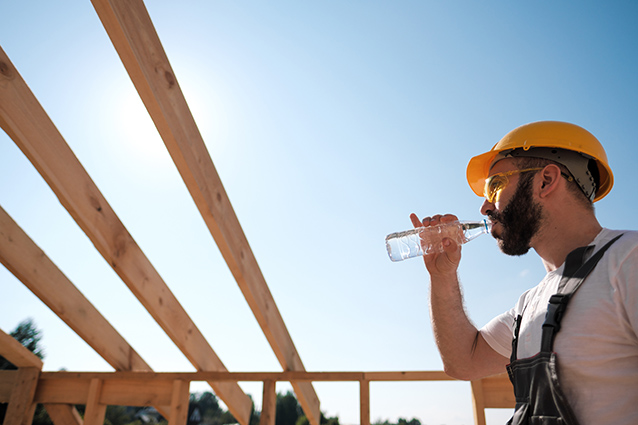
(539, 184)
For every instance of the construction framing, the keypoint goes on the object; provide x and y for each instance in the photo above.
(133, 35)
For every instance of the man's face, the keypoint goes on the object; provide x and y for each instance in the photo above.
(515, 214)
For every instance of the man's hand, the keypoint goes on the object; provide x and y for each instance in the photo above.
(440, 264)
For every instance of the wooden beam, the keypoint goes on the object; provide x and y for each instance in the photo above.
(95, 408)
(498, 392)
(478, 402)
(64, 414)
(21, 406)
(15, 352)
(132, 32)
(256, 376)
(7, 381)
(179, 403)
(26, 122)
(364, 402)
(114, 392)
(269, 403)
(22, 257)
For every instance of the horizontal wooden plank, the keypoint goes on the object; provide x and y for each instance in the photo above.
(118, 392)
(254, 376)
(408, 376)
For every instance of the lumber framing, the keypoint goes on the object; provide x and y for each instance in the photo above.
(132, 33)
(20, 388)
(64, 414)
(22, 257)
(21, 405)
(25, 121)
(268, 403)
(147, 388)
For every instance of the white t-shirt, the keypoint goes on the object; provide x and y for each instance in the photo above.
(597, 345)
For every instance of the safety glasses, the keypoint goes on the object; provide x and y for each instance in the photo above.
(494, 184)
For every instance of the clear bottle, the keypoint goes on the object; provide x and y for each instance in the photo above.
(428, 240)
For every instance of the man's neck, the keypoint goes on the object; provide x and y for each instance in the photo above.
(558, 238)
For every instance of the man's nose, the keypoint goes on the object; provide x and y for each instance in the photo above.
(486, 207)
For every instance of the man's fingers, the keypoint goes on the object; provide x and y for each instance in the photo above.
(415, 220)
(431, 221)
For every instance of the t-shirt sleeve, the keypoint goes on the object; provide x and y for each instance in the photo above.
(498, 333)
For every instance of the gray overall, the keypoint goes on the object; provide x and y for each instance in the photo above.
(539, 398)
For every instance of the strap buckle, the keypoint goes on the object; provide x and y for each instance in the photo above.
(555, 310)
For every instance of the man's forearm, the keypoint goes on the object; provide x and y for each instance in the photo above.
(455, 335)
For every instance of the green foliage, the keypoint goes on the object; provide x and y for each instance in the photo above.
(288, 410)
(303, 420)
(401, 421)
(204, 409)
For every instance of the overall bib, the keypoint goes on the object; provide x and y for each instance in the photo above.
(539, 398)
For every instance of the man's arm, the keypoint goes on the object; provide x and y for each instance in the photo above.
(465, 354)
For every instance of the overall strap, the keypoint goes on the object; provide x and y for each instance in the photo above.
(574, 274)
(517, 328)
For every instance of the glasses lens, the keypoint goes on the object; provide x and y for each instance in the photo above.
(493, 185)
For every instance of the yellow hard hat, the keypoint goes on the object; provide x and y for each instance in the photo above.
(546, 134)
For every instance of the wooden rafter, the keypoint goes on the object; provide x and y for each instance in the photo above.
(22, 257)
(26, 122)
(15, 352)
(132, 32)
(64, 414)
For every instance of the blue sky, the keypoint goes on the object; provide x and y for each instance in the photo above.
(329, 123)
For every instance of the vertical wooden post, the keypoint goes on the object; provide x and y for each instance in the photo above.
(364, 396)
(21, 406)
(95, 411)
(179, 403)
(269, 403)
(478, 402)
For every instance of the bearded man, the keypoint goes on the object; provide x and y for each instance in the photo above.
(570, 344)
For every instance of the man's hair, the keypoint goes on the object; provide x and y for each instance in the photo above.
(572, 186)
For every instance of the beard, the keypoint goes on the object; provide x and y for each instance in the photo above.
(520, 220)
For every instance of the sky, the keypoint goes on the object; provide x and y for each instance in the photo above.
(329, 123)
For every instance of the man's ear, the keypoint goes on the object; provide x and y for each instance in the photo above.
(550, 177)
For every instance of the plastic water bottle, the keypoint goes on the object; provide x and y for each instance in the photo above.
(428, 240)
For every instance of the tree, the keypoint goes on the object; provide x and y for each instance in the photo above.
(303, 420)
(287, 410)
(400, 421)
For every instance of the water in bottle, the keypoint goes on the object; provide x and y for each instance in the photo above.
(428, 240)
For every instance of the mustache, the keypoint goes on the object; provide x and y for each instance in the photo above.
(495, 216)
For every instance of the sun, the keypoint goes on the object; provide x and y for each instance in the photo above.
(137, 129)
